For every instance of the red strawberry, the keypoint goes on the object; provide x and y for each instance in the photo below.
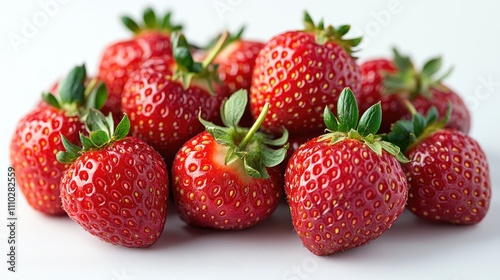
(163, 107)
(448, 176)
(395, 82)
(345, 188)
(299, 73)
(123, 57)
(37, 139)
(116, 187)
(227, 177)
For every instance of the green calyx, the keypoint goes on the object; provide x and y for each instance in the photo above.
(151, 22)
(232, 37)
(347, 125)
(74, 97)
(187, 68)
(333, 34)
(408, 80)
(247, 144)
(102, 132)
(407, 133)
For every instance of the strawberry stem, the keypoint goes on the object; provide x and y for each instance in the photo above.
(255, 127)
(215, 50)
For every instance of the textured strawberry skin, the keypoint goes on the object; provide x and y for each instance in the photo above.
(122, 58)
(119, 193)
(33, 149)
(299, 77)
(208, 193)
(448, 179)
(343, 195)
(393, 106)
(164, 114)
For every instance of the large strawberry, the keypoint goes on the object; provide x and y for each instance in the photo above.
(151, 39)
(116, 187)
(227, 177)
(448, 176)
(396, 82)
(345, 188)
(301, 72)
(37, 139)
(163, 98)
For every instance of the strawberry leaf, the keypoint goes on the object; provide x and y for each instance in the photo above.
(233, 108)
(149, 18)
(370, 120)
(122, 129)
(71, 89)
(273, 157)
(70, 147)
(86, 142)
(50, 99)
(330, 120)
(99, 138)
(431, 67)
(347, 111)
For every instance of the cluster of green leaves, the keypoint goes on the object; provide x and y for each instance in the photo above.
(330, 33)
(151, 22)
(408, 80)
(102, 132)
(246, 144)
(348, 125)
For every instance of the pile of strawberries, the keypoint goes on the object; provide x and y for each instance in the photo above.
(229, 129)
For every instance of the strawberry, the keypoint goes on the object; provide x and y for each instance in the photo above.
(227, 177)
(116, 187)
(236, 62)
(345, 188)
(396, 82)
(299, 73)
(119, 59)
(37, 138)
(448, 176)
(163, 98)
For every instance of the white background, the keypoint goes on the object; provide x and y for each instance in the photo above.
(467, 33)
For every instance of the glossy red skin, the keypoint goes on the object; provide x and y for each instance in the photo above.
(162, 112)
(33, 149)
(118, 193)
(393, 106)
(299, 77)
(208, 193)
(449, 179)
(121, 58)
(343, 195)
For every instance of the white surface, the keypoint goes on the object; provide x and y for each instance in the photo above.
(466, 33)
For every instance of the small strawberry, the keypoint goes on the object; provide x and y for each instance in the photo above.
(116, 187)
(227, 177)
(393, 82)
(236, 62)
(345, 188)
(37, 139)
(448, 176)
(299, 73)
(118, 60)
(163, 98)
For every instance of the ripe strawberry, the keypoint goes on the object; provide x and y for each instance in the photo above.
(448, 176)
(395, 82)
(299, 73)
(150, 40)
(116, 187)
(236, 62)
(163, 107)
(345, 188)
(37, 139)
(227, 177)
